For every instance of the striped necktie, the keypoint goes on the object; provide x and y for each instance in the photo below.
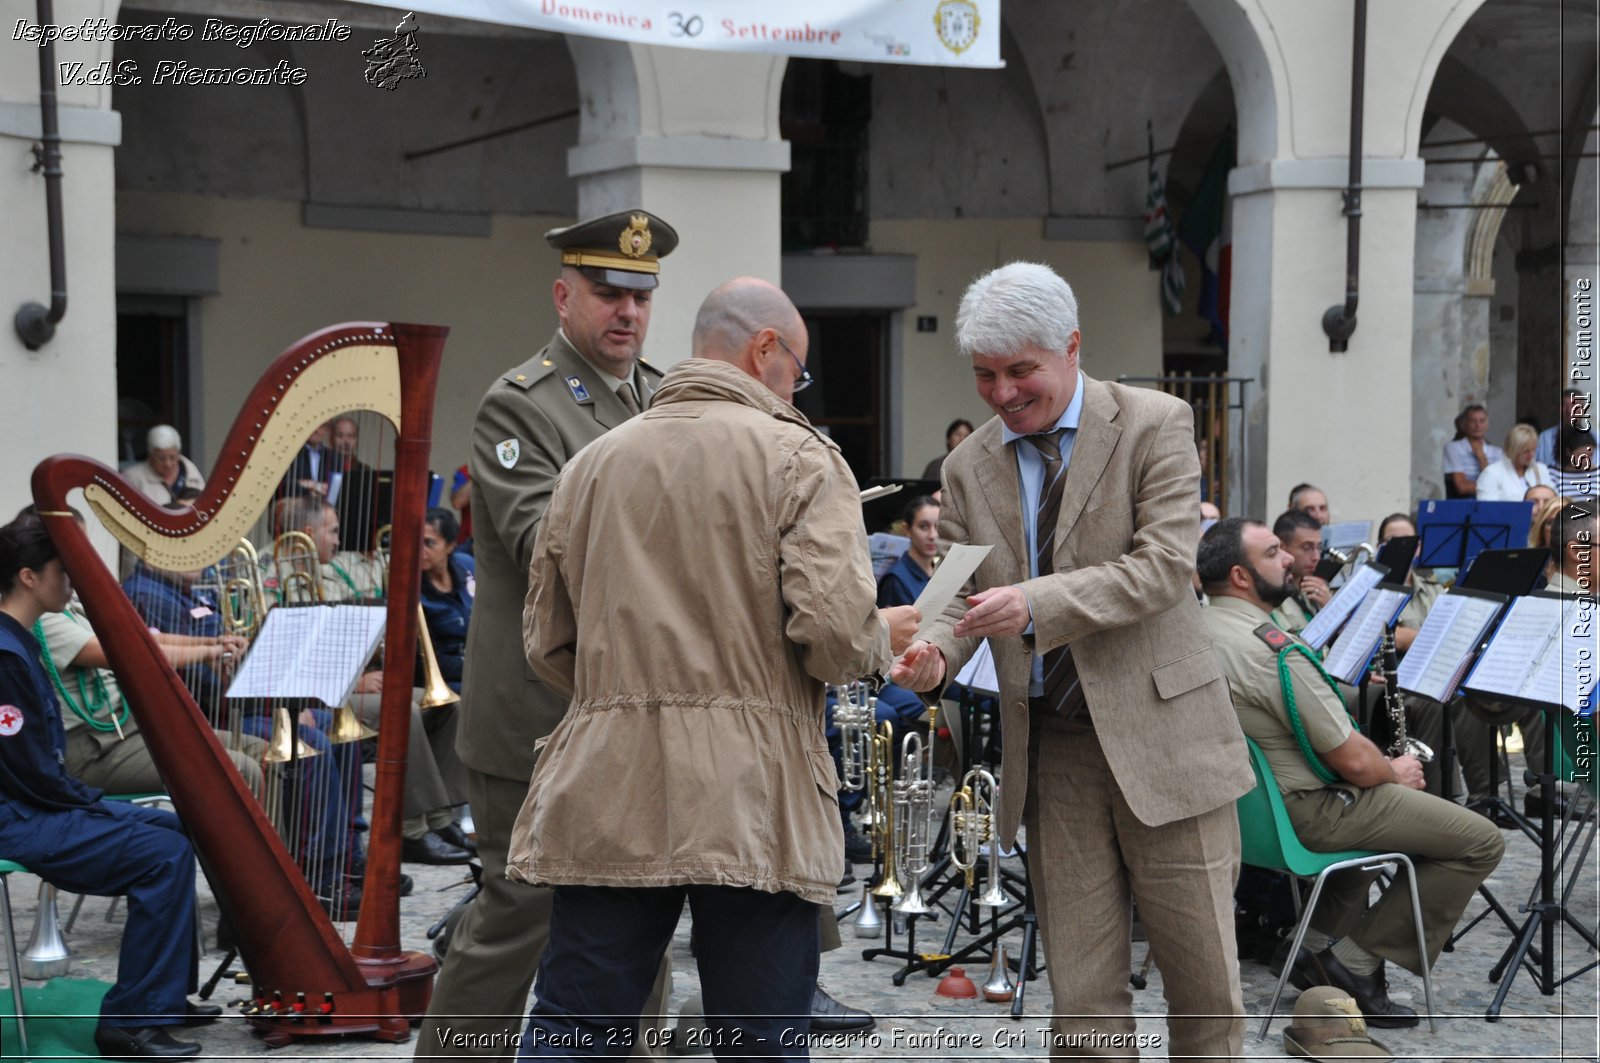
(1061, 688)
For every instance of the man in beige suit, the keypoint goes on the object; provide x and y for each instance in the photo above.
(1123, 754)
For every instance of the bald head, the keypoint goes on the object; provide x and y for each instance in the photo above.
(754, 326)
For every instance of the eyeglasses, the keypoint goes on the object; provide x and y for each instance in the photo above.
(804, 380)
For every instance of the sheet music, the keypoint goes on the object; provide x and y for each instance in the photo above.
(1444, 645)
(869, 493)
(979, 674)
(1353, 650)
(1345, 534)
(306, 652)
(1522, 638)
(947, 581)
(886, 550)
(1345, 602)
(1565, 675)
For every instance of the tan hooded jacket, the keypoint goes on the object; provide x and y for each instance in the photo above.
(701, 572)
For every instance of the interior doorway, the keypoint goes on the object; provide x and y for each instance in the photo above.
(849, 362)
(152, 371)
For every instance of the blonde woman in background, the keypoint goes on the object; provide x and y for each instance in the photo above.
(1508, 479)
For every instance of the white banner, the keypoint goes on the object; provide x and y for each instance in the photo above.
(928, 32)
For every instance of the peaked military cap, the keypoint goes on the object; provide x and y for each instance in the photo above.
(622, 249)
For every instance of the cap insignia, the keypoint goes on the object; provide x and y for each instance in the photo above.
(635, 239)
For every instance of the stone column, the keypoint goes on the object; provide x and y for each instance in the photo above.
(1342, 420)
(693, 137)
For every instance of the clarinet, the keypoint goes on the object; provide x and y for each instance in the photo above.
(1403, 744)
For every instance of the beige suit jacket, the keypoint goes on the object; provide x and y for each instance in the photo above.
(1120, 596)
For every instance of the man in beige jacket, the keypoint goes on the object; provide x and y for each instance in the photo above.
(1122, 752)
(701, 572)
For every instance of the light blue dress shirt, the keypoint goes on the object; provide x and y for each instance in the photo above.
(1030, 473)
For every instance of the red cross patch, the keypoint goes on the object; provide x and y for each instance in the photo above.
(1272, 637)
(10, 720)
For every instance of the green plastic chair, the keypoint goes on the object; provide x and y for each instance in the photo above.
(7, 869)
(1267, 840)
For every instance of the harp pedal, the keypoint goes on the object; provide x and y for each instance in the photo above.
(241, 978)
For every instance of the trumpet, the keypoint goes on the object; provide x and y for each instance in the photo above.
(853, 714)
(913, 811)
(973, 825)
(881, 811)
(436, 693)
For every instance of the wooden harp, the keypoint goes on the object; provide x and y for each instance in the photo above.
(307, 982)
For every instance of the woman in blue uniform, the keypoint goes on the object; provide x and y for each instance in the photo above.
(61, 830)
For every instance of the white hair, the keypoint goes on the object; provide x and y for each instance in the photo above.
(1018, 305)
(163, 437)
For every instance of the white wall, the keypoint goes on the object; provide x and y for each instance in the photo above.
(1118, 307)
(280, 281)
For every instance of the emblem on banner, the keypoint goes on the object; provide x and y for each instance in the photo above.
(508, 451)
(635, 239)
(956, 22)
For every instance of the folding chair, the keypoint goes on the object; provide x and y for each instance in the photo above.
(8, 868)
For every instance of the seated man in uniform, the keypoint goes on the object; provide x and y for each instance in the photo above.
(1340, 790)
(64, 832)
(1300, 535)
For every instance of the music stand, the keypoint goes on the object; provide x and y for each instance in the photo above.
(1545, 911)
(1455, 531)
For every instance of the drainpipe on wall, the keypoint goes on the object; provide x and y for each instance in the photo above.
(1339, 322)
(35, 324)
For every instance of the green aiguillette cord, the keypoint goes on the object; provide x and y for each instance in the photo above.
(1321, 770)
(96, 698)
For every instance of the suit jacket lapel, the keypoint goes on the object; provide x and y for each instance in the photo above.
(996, 470)
(1091, 451)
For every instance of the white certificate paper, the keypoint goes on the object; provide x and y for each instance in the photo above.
(947, 580)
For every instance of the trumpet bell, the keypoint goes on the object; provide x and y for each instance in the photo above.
(436, 693)
(285, 744)
(889, 887)
(912, 903)
(347, 727)
(993, 896)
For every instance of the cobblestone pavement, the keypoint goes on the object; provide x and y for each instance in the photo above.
(915, 1023)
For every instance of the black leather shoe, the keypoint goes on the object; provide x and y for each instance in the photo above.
(1500, 817)
(346, 905)
(830, 1016)
(200, 1014)
(141, 1042)
(1533, 806)
(407, 884)
(454, 835)
(1307, 970)
(432, 849)
(1371, 993)
(849, 876)
(857, 850)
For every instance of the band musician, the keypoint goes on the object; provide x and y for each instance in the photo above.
(1341, 791)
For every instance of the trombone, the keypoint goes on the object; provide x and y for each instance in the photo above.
(298, 566)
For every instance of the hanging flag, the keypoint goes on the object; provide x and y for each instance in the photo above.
(1159, 242)
(1206, 230)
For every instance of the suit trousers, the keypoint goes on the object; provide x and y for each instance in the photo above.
(756, 951)
(1453, 849)
(480, 996)
(1088, 857)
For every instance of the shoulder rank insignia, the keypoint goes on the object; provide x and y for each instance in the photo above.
(579, 392)
(1272, 636)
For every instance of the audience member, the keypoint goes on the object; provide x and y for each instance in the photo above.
(1509, 478)
(1575, 413)
(1575, 478)
(165, 476)
(959, 429)
(1467, 455)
